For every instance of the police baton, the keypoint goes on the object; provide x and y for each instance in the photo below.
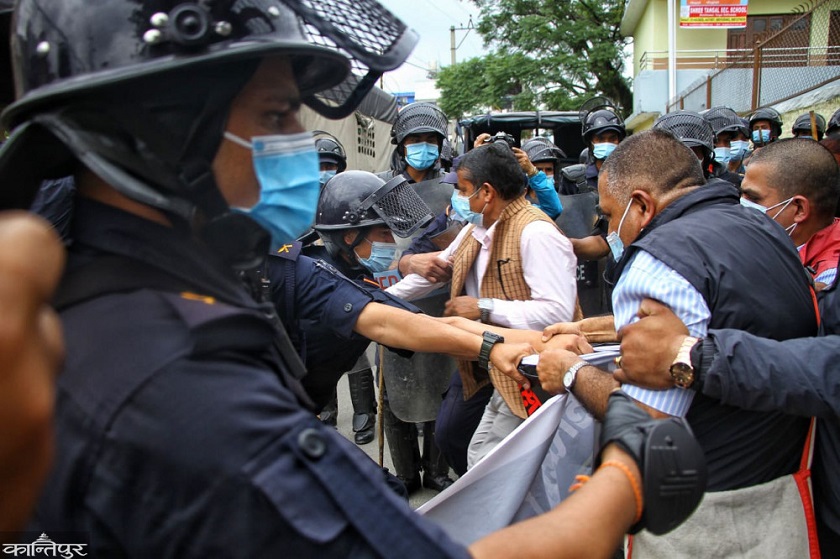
(380, 421)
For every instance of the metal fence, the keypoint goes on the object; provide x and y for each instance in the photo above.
(774, 70)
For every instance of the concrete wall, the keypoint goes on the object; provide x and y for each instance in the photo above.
(650, 88)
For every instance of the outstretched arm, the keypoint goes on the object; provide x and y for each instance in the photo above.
(595, 329)
(401, 329)
(571, 341)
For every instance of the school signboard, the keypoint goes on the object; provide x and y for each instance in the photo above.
(699, 14)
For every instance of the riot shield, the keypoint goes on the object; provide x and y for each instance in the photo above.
(415, 385)
(579, 216)
(436, 194)
(579, 219)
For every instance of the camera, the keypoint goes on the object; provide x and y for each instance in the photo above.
(502, 137)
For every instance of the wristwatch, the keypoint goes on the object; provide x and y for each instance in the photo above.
(681, 369)
(490, 339)
(571, 375)
(485, 307)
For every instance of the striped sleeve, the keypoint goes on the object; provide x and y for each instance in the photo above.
(647, 277)
(826, 277)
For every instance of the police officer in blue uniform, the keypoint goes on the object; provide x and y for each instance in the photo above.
(333, 160)
(331, 155)
(341, 205)
(182, 429)
(358, 215)
(182, 426)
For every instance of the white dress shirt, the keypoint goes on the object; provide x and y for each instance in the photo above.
(548, 264)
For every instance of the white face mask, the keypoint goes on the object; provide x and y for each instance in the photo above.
(784, 203)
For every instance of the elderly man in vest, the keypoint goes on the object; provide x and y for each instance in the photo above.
(691, 245)
(511, 267)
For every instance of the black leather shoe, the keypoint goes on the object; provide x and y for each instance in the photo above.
(329, 417)
(437, 483)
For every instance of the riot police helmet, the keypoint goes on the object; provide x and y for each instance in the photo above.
(139, 90)
(419, 118)
(833, 123)
(330, 150)
(802, 125)
(772, 116)
(541, 149)
(359, 199)
(724, 119)
(690, 128)
(598, 115)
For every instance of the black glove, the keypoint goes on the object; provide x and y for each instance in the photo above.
(669, 458)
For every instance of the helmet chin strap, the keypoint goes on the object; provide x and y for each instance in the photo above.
(350, 250)
(237, 239)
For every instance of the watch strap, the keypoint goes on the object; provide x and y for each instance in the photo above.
(571, 374)
(485, 307)
(489, 339)
(682, 369)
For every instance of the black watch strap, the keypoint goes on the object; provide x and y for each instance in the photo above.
(489, 340)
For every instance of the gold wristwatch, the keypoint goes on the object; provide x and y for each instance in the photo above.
(681, 370)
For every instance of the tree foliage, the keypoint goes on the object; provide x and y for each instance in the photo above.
(548, 53)
(494, 81)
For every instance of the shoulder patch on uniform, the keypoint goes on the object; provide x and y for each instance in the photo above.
(289, 251)
(323, 264)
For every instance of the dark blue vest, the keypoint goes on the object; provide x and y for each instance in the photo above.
(747, 270)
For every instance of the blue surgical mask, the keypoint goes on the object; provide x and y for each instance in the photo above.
(806, 137)
(760, 136)
(421, 156)
(723, 155)
(738, 149)
(550, 182)
(325, 176)
(381, 256)
(287, 170)
(603, 150)
(614, 240)
(461, 205)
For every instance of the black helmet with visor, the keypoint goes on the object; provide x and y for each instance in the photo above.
(690, 128)
(177, 64)
(724, 119)
(419, 118)
(598, 115)
(541, 149)
(330, 149)
(359, 199)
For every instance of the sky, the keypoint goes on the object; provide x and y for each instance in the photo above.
(432, 20)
